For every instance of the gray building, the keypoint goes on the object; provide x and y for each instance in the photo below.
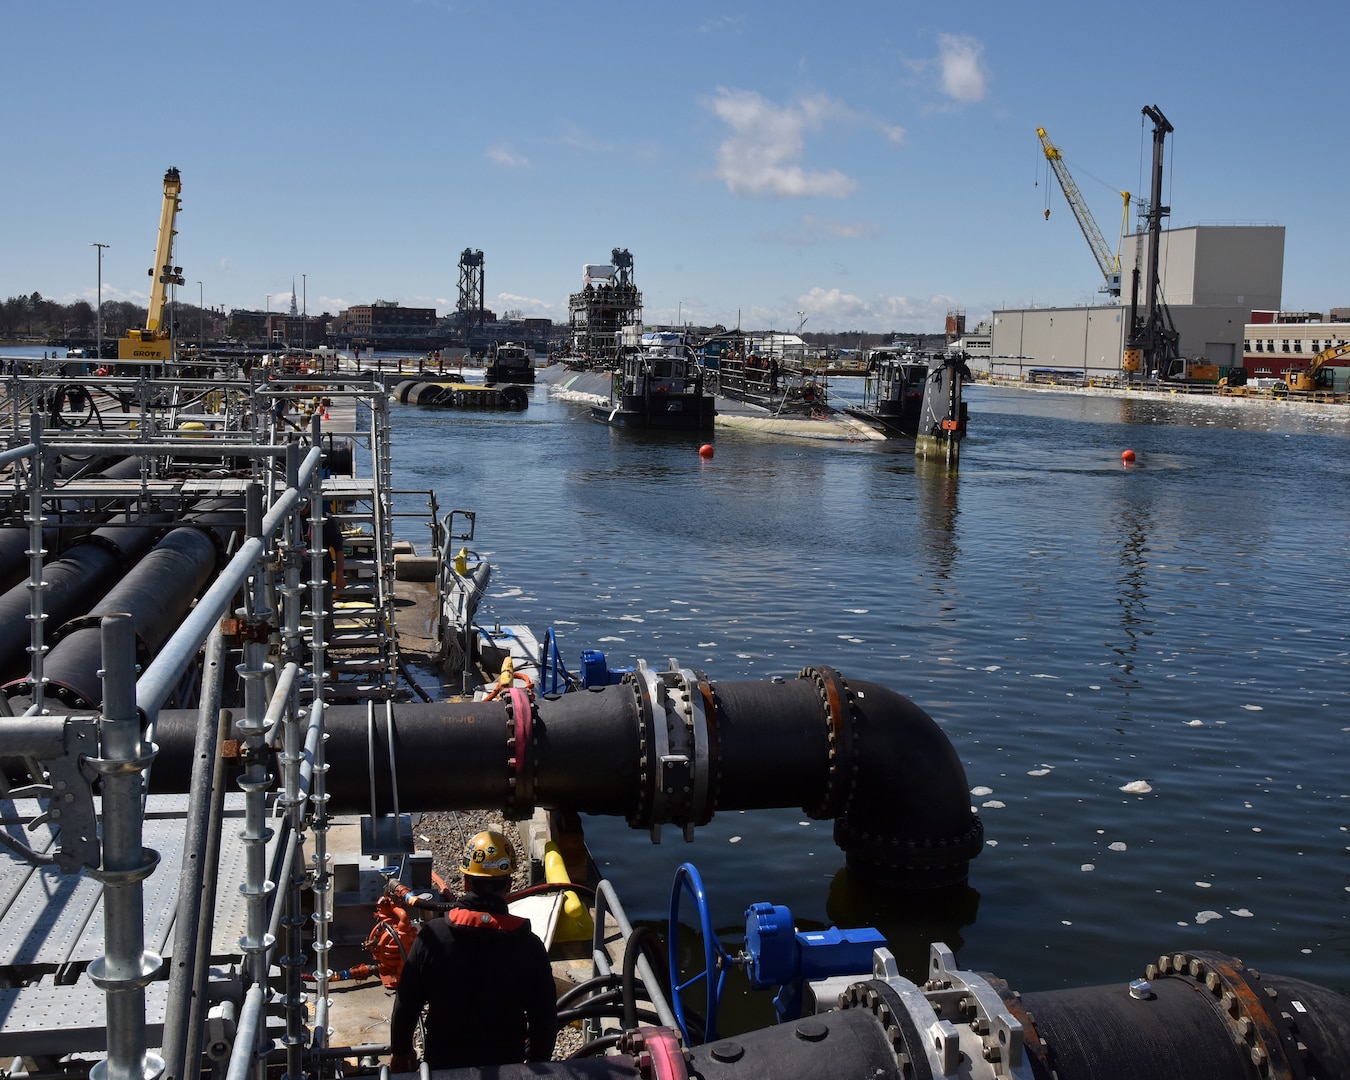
(1212, 278)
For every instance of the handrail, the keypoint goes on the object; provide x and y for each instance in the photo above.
(607, 903)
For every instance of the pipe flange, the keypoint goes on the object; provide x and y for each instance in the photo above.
(842, 734)
(642, 814)
(657, 1053)
(685, 770)
(520, 757)
(884, 1002)
(906, 856)
(1264, 1034)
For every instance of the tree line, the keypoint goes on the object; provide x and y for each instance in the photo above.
(36, 318)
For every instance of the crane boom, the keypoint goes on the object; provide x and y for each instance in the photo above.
(1109, 264)
(153, 342)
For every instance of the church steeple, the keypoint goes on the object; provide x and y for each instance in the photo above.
(294, 311)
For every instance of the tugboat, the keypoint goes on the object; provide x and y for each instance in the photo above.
(893, 398)
(659, 384)
(510, 362)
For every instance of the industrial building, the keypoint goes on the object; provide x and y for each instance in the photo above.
(1212, 277)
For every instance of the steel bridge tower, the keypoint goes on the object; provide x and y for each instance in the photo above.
(471, 286)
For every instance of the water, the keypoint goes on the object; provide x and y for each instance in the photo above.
(1076, 628)
(1081, 631)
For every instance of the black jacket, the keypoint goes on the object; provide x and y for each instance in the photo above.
(488, 984)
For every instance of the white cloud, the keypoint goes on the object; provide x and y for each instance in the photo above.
(762, 155)
(835, 308)
(961, 63)
(532, 306)
(504, 155)
(813, 229)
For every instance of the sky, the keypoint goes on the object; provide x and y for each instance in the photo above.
(785, 165)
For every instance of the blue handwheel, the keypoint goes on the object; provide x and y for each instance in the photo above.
(716, 960)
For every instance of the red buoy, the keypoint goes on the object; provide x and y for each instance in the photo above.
(1127, 456)
(705, 451)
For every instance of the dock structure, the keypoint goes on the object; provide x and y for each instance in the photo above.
(608, 301)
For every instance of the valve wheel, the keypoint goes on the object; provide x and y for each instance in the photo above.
(716, 960)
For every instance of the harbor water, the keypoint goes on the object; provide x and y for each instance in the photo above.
(1144, 669)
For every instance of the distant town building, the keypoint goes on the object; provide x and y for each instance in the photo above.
(385, 325)
(1278, 341)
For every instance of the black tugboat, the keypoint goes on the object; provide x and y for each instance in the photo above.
(658, 385)
(893, 398)
(917, 396)
(510, 362)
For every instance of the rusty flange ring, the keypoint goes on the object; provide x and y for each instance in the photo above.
(1273, 1049)
(839, 720)
(519, 753)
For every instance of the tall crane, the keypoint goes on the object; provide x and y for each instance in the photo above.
(1151, 340)
(153, 342)
(1109, 264)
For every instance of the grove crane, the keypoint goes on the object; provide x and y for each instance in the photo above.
(1109, 264)
(153, 343)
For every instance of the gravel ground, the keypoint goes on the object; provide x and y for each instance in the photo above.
(445, 835)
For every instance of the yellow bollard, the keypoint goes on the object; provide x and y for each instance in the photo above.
(574, 921)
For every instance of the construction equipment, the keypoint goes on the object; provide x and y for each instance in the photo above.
(1109, 264)
(1184, 369)
(1151, 339)
(153, 343)
(1315, 376)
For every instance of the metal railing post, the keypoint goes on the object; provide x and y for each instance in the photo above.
(126, 966)
(37, 616)
(257, 943)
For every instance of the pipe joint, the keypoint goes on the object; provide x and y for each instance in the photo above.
(841, 725)
(676, 722)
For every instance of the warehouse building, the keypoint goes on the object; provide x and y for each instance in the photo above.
(1212, 277)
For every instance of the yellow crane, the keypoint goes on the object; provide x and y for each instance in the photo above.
(1109, 264)
(153, 342)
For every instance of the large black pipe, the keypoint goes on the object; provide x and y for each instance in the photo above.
(157, 594)
(84, 572)
(856, 751)
(1239, 1026)
(14, 565)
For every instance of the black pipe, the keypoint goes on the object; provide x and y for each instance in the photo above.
(14, 565)
(1206, 1018)
(157, 594)
(86, 570)
(856, 751)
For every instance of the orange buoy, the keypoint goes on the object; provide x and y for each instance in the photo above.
(1127, 456)
(705, 451)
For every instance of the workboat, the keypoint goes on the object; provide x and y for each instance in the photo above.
(893, 391)
(509, 361)
(659, 384)
(917, 396)
(218, 778)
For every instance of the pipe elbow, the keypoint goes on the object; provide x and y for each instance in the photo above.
(906, 819)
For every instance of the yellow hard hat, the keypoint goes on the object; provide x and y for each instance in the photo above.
(488, 855)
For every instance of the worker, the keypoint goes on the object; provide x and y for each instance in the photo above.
(484, 975)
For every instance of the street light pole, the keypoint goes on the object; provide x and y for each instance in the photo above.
(304, 308)
(201, 318)
(98, 312)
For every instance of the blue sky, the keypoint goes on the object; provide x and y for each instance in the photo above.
(871, 165)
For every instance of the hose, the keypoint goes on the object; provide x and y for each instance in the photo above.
(641, 937)
(595, 1046)
(582, 989)
(547, 887)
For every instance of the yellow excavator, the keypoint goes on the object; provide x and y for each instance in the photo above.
(153, 343)
(1315, 376)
